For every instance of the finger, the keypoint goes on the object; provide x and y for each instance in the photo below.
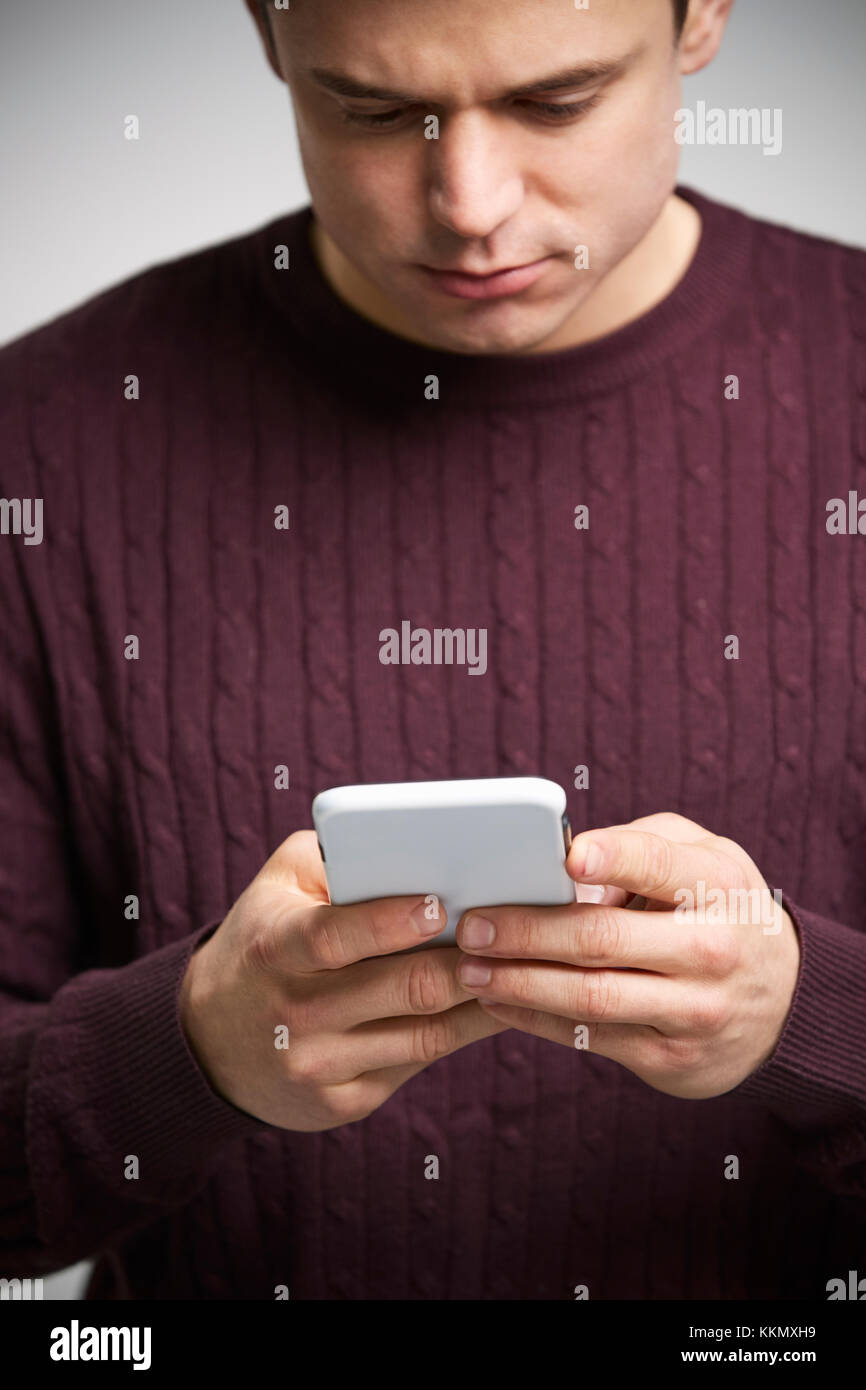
(671, 825)
(650, 865)
(605, 893)
(586, 934)
(601, 893)
(391, 1042)
(421, 983)
(307, 939)
(600, 996)
(667, 823)
(296, 864)
(589, 892)
(632, 1046)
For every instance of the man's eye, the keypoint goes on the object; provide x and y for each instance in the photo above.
(374, 118)
(548, 111)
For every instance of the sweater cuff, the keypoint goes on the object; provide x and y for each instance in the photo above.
(816, 1075)
(113, 1074)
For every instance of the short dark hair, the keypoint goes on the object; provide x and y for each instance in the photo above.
(680, 11)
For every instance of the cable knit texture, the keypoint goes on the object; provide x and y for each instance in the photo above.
(258, 647)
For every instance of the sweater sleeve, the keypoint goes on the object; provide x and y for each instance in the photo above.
(106, 1120)
(814, 1081)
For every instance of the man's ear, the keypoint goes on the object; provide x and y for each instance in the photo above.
(263, 24)
(702, 33)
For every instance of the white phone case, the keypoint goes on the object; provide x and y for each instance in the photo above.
(471, 843)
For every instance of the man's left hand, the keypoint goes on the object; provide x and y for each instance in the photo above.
(690, 990)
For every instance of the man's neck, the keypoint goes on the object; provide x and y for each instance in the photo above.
(641, 280)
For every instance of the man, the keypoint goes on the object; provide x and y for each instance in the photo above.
(504, 373)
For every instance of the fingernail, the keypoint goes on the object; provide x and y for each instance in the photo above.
(429, 917)
(590, 892)
(477, 932)
(474, 973)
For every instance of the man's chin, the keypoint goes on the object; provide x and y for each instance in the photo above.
(513, 335)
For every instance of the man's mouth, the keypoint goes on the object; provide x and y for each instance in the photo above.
(495, 284)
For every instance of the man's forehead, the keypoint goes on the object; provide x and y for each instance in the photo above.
(455, 50)
(456, 15)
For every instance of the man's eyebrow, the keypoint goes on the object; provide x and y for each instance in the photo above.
(344, 85)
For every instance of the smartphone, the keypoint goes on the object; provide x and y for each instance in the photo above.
(466, 843)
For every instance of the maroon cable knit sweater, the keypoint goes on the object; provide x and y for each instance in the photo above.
(259, 647)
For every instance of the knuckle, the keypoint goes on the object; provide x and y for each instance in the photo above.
(601, 936)
(706, 1014)
(657, 865)
(716, 952)
(303, 1065)
(434, 1037)
(425, 986)
(348, 1103)
(321, 940)
(680, 1054)
(379, 930)
(734, 871)
(525, 933)
(595, 995)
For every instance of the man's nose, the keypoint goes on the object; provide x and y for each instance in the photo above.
(475, 183)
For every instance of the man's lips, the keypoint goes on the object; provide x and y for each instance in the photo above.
(510, 280)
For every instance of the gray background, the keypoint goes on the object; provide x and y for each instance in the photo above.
(84, 208)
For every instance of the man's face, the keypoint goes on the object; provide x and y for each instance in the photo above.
(515, 178)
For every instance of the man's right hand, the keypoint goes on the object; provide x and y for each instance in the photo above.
(360, 1019)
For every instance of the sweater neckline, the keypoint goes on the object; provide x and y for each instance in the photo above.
(346, 342)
